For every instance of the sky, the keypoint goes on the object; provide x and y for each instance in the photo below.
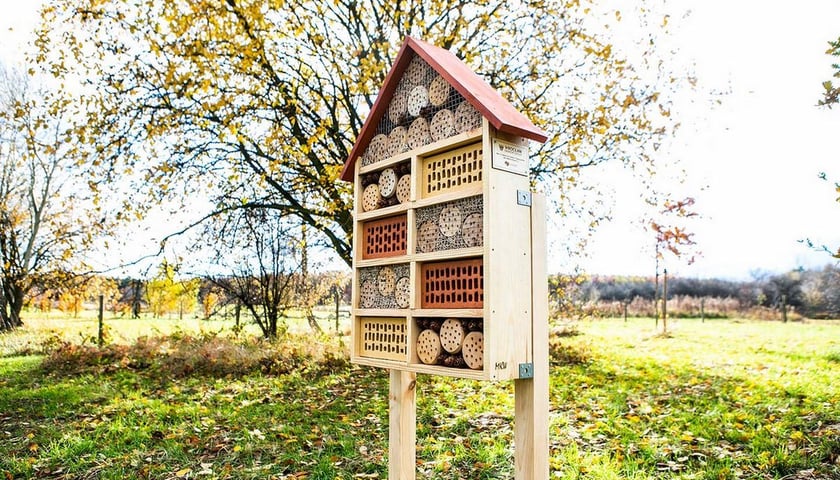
(757, 155)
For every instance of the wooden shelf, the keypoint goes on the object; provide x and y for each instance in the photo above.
(426, 150)
(448, 312)
(383, 212)
(448, 254)
(379, 262)
(380, 312)
(449, 196)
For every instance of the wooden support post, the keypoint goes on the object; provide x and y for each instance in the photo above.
(531, 414)
(403, 426)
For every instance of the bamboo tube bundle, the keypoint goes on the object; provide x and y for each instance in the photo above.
(443, 125)
(466, 117)
(418, 133)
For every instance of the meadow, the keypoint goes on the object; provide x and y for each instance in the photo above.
(724, 399)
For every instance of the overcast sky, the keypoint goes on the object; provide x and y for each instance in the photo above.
(759, 152)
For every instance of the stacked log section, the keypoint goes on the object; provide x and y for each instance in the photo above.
(450, 343)
(385, 188)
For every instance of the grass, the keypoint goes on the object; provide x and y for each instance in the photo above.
(46, 329)
(719, 400)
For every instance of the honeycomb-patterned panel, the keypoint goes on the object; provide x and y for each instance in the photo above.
(383, 338)
(384, 238)
(382, 287)
(451, 225)
(452, 171)
(452, 284)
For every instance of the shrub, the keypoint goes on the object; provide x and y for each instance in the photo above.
(182, 355)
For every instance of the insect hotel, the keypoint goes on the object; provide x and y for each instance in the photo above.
(449, 245)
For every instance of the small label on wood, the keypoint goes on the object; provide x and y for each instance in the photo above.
(510, 157)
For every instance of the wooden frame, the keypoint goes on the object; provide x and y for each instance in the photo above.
(504, 252)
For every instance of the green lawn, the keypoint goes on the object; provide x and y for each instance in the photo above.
(718, 400)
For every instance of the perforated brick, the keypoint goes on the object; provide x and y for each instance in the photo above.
(452, 284)
(452, 171)
(383, 337)
(385, 237)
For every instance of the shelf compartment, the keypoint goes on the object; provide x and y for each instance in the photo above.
(452, 284)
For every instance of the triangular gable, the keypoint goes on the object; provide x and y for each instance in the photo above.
(472, 95)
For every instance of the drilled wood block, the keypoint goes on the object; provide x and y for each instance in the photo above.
(452, 335)
(371, 198)
(404, 188)
(387, 182)
(418, 133)
(397, 141)
(428, 347)
(439, 91)
(443, 125)
(466, 117)
(473, 350)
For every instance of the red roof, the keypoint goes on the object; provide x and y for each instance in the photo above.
(498, 111)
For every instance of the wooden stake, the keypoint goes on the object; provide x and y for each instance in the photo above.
(402, 430)
(531, 414)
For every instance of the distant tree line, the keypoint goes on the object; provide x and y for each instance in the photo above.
(809, 293)
(168, 296)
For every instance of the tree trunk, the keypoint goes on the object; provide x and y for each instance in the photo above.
(12, 306)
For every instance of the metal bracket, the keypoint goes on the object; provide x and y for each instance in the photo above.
(523, 198)
(526, 370)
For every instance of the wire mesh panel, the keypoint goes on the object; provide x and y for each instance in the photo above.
(452, 171)
(383, 337)
(452, 284)
(378, 286)
(450, 225)
(424, 108)
(384, 238)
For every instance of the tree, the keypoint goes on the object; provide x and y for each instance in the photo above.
(211, 96)
(672, 238)
(256, 253)
(831, 92)
(43, 222)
